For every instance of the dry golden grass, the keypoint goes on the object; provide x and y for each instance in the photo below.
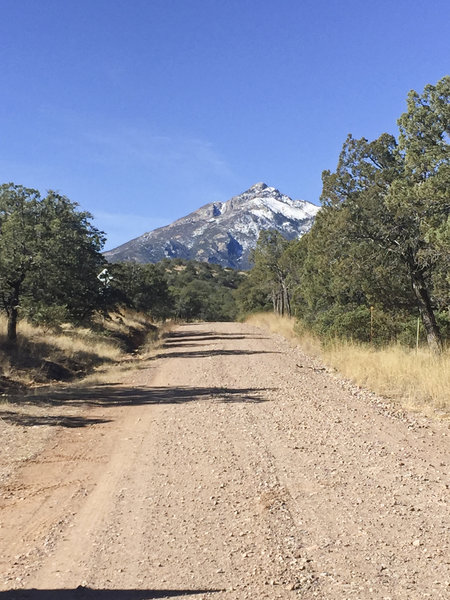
(289, 328)
(417, 380)
(71, 341)
(114, 373)
(124, 321)
(74, 351)
(284, 326)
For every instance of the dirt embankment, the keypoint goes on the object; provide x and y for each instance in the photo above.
(230, 466)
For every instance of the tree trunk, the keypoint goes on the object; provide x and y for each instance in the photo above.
(426, 312)
(12, 309)
(280, 302)
(12, 324)
(287, 300)
(274, 301)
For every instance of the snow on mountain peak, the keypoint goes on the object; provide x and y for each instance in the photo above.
(223, 233)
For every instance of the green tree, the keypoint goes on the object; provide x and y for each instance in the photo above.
(270, 270)
(19, 218)
(68, 261)
(49, 256)
(143, 287)
(251, 295)
(425, 190)
(201, 290)
(396, 197)
(381, 239)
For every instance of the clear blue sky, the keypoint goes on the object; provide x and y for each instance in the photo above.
(144, 110)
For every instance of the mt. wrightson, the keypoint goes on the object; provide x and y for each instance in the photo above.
(222, 232)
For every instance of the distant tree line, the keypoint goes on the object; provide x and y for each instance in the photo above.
(175, 289)
(380, 246)
(52, 270)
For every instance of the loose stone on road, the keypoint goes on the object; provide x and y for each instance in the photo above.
(221, 469)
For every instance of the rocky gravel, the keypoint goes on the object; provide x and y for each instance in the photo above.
(230, 465)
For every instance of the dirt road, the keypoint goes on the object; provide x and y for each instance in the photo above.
(229, 466)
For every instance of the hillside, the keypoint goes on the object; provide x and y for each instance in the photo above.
(222, 232)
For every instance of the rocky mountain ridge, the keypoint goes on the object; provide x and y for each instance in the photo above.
(222, 232)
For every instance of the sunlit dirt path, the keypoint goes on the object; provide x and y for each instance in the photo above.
(229, 466)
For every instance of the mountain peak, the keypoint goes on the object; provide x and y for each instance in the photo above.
(222, 233)
(259, 186)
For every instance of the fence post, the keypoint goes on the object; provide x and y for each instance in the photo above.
(371, 324)
(417, 334)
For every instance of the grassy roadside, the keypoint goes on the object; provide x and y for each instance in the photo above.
(415, 380)
(42, 355)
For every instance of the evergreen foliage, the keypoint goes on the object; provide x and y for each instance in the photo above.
(49, 257)
(270, 269)
(201, 291)
(175, 288)
(141, 287)
(381, 239)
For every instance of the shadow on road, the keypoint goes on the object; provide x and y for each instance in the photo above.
(114, 395)
(110, 395)
(28, 420)
(194, 339)
(82, 593)
(202, 336)
(209, 353)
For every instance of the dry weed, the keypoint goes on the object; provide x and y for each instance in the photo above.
(73, 351)
(418, 380)
(72, 341)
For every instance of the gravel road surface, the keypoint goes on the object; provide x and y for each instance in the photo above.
(228, 466)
